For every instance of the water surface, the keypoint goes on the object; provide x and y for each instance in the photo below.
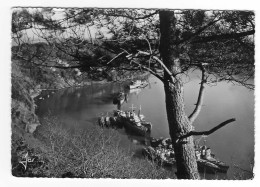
(233, 144)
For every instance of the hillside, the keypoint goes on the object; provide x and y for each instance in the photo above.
(40, 147)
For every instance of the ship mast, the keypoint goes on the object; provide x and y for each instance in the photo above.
(139, 112)
(132, 107)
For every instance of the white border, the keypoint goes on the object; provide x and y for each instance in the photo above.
(5, 28)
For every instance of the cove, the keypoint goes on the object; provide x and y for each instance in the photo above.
(233, 144)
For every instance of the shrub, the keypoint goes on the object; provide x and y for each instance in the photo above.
(93, 153)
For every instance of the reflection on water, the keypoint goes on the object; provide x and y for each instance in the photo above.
(232, 144)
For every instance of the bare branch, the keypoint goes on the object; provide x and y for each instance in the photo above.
(151, 52)
(90, 37)
(194, 133)
(116, 57)
(148, 69)
(159, 61)
(198, 107)
(129, 57)
(243, 82)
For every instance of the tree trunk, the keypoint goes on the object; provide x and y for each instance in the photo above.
(179, 123)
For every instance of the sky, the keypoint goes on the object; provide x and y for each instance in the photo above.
(58, 14)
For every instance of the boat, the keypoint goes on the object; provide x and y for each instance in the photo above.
(161, 142)
(161, 151)
(138, 84)
(136, 127)
(208, 163)
(120, 98)
(212, 166)
(132, 122)
(106, 121)
(135, 91)
(164, 157)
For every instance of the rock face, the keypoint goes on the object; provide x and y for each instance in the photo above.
(22, 105)
(23, 117)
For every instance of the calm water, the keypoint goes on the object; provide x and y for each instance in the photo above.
(232, 144)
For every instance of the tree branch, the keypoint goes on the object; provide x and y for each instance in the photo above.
(148, 69)
(194, 133)
(223, 37)
(72, 55)
(198, 107)
(129, 57)
(151, 52)
(131, 17)
(159, 61)
(116, 57)
(199, 31)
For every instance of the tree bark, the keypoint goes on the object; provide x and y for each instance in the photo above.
(178, 121)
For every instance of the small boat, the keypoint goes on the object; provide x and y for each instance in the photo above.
(135, 91)
(107, 121)
(120, 98)
(161, 151)
(138, 84)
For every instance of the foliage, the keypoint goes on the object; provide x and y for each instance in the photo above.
(90, 38)
(92, 153)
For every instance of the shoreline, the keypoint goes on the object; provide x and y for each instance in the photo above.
(30, 138)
